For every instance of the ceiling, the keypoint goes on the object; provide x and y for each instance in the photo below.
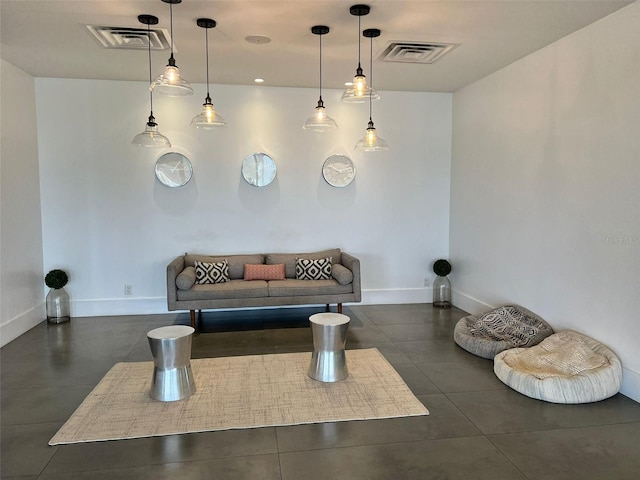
(48, 38)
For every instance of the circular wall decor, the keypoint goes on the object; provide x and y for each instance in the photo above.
(338, 171)
(173, 169)
(259, 169)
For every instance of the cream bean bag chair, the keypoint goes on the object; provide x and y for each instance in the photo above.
(500, 329)
(566, 367)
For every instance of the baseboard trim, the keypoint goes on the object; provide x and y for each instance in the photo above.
(22, 323)
(118, 306)
(397, 296)
(630, 384)
(468, 303)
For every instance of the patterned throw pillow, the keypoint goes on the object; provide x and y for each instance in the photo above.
(211, 272)
(307, 269)
(254, 271)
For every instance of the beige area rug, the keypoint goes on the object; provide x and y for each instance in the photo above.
(239, 392)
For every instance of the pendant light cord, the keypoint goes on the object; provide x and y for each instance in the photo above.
(171, 25)
(359, 26)
(149, 53)
(320, 67)
(206, 47)
(370, 75)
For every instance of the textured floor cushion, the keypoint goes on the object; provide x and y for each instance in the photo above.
(566, 367)
(500, 329)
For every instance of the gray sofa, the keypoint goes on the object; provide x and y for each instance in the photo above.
(183, 293)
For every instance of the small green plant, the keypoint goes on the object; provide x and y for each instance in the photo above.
(56, 279)
(441, 267)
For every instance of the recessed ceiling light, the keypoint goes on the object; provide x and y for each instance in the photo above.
(259, 39)
(258, 80)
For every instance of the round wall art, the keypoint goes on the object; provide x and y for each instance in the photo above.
(338, 170)
(173, 169)
(259, 169)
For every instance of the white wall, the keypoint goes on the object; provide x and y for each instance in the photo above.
(21, 271)
(544, 194)
(109, 222)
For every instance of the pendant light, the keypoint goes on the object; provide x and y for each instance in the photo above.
(170, 82)
(371, 142)
(358, 91)
(151, 137)
(320, 121)
(208, 118)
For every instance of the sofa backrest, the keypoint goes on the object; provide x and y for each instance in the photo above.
(289, 259)
(235, 262)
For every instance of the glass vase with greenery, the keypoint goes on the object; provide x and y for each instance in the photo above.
(442, 285)
(57, 299)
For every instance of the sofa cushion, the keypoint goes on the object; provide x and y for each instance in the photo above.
(235, 262)
(186, 278)
(254, 271)
(217, 272)
(293, 288)
(289, 259)
(342, 274)
(307, 269)
(228, 290)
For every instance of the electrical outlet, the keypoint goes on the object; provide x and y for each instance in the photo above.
(426, 282)
(128, 290)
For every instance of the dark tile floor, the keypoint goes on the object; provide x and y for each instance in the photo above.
(477, 429)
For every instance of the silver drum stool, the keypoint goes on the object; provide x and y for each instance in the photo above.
(328, 360)
(171, 350)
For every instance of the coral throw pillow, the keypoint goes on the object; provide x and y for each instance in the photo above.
(254, 271)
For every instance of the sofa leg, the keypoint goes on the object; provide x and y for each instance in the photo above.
(192, 314)
(339, 308)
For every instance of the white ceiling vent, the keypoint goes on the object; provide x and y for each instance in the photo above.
(130, 38)
(415, 52)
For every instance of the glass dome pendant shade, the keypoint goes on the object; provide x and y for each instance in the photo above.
(320, 121)
(351, 95)
(150, 137)
(208, 118)
(170, 82)
(359, 91)
(371, 142)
